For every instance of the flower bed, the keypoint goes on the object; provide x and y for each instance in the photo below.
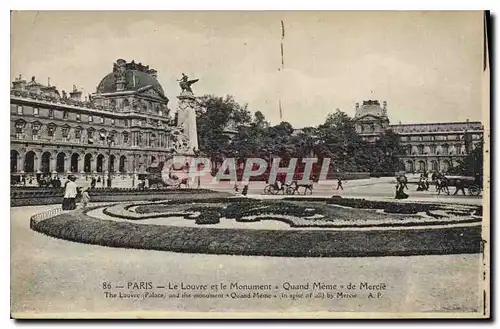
(79, 227)
(295, 213)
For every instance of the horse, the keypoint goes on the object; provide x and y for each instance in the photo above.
(442, 185)
(294, 187)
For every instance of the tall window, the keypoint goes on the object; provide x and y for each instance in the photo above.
(126, 122)
(102, 119)
(420, 149)
(160, 113)
(35, 131)
(78, 134)
(445, 149)
(112, 121)
(19, 130)
(65, 133)
(51, 131)
(35, 111)
(432, 149)
(90, 136)
(65, 115)
(78, 117)
(51, 114)
(91, 119)
(19, 110)
(125, 138)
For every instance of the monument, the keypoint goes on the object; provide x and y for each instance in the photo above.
(187, 135)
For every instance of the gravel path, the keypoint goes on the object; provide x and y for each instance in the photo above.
(56, 276)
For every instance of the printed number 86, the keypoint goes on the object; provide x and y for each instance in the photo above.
(106, 285)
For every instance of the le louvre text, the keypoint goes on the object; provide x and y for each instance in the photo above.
(142, 285)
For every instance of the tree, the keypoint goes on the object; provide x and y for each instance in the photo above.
(214, 116)
(472, 164)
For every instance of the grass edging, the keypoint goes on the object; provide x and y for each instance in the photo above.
(79, 227)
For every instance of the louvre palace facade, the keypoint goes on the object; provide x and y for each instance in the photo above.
(124, 127)
(429, 146)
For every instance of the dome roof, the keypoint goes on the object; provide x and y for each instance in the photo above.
(135, 80)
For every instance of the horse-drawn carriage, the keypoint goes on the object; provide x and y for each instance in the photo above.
(472, 184)
(155, 179)
(289, 188)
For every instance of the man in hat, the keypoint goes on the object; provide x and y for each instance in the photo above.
(70, 193)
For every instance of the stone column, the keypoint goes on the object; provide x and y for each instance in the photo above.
(67, 164)
(20, 162)
(79, 163)
(93, 164)
(37, 165)
(53, 163)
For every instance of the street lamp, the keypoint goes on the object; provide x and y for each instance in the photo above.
(109, 140)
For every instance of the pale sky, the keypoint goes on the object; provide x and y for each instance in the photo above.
(426, 65)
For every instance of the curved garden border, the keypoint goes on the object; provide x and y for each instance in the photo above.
(77, 226)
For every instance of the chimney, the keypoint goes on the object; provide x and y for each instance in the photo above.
(75, 94)
(384, 108)
(153, 73)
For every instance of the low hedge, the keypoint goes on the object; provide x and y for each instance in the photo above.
(79, 227)
(152, 195)
(49, 192)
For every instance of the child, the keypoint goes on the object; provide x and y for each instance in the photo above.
(85, 197)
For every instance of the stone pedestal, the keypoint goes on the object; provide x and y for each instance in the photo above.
(187, 121)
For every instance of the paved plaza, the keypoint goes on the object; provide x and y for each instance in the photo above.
(57, 276)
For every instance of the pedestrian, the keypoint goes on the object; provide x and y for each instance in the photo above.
(245, 189)
(92, 183)
(339, 184)
(400, 194)
(85, 197)
(70, 193)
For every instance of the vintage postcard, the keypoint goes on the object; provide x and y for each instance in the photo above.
(246, 164)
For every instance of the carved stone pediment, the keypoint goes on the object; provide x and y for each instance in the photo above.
(151, 92)
(369, 117)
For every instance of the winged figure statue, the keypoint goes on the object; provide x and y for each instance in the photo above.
(185, 83)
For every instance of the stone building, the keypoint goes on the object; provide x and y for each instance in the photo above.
(124, 127)
(429, 146)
